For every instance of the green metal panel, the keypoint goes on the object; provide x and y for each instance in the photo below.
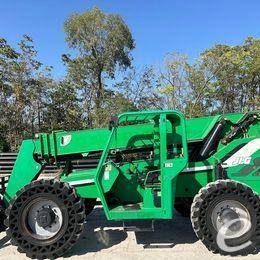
(167, 133)
(25, 170)
(168, 172)
(171, 168)
(83, 141)
(199, 128)
(93, 140)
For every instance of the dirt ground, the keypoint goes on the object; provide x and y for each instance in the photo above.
(104, 239)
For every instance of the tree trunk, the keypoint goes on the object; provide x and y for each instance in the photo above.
(98, 101)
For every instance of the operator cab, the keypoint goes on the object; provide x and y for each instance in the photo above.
(146, 166)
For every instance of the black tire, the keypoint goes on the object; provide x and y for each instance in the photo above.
(71, 208)
(89, 205)
(183, 206)
(202, 210)
(3, 183)
(2, 216)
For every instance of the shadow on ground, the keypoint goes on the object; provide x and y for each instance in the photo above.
(101, 234)
(5, 241)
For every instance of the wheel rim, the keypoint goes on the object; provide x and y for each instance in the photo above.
(43, 218)
(232, 216)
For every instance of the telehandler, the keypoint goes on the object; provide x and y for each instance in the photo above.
(143, 167)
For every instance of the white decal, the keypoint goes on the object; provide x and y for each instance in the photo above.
(65, 140)
(106, 175)
(243, 156)
(198, 168)
(74, 183)
(108, 167)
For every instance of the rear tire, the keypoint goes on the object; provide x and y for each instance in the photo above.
(226, 203)
(45, 219)
(3, 183)
(2, 216)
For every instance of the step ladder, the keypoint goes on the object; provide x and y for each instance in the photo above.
(138, 225)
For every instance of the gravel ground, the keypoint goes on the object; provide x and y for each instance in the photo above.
(104, 239)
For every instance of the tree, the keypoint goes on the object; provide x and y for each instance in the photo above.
(173, 81)
(8, 57)
(104, 43)
(63, 109)
(141, 89)
(183, 85)
(224, 79)
(23, 83)
(235, 72)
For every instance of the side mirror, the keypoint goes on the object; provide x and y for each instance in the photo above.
(112, 122)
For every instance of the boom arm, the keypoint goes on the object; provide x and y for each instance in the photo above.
(25, 170)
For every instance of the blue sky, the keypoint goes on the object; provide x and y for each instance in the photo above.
(158, 27)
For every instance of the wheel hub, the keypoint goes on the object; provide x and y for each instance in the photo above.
(232, 215)
(45, 217)
(227, 216)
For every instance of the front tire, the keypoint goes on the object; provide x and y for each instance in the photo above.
(225, 216)
(45, 219)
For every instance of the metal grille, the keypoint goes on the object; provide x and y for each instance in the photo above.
(3, 183)
(7, 161)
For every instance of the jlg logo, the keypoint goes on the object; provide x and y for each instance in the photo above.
(234, 161)
(241, 160)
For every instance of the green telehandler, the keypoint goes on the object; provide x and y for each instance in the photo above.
(144, 166)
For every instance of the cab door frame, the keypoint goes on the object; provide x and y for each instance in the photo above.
(171, 168)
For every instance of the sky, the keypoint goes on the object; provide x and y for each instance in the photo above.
(158, 27)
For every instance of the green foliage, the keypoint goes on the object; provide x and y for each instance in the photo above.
(22, 81)
(101, 82)
(141, 89)
(4, 146)
(235, 75)
(104, 43)
(63, 109)
(224, 79)
(31, 101)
